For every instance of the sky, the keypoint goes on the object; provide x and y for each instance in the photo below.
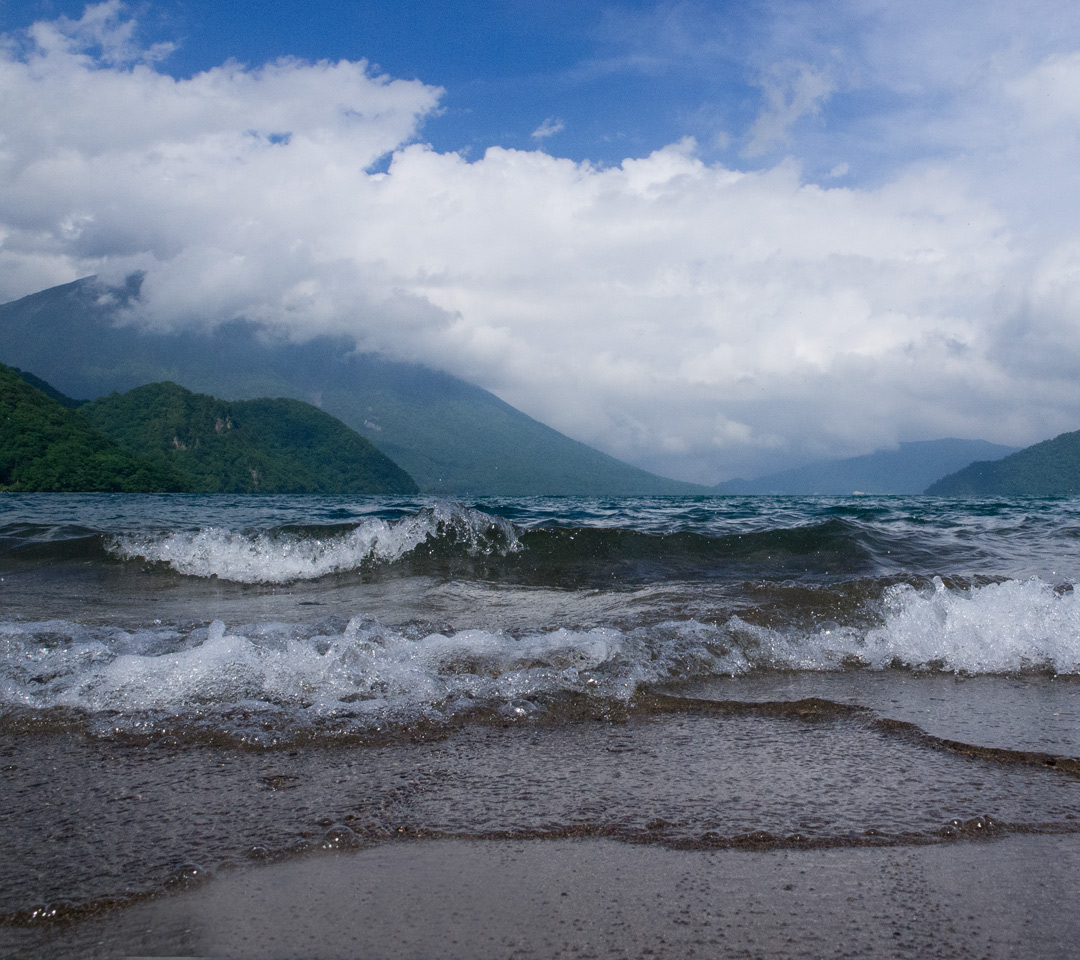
(712, 239)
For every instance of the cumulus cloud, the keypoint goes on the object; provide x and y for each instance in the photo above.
(699, 320)
(106, 163)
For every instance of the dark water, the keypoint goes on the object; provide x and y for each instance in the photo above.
(189, 683)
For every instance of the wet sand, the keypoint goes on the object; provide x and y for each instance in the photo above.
(1010, 897)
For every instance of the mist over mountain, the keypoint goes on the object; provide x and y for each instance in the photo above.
(906, 470)
(450, 436)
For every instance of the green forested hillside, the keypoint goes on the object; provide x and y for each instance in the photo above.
(254, 446)
(1047, 469)
(44, 446)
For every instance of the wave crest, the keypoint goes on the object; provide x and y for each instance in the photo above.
(284, 556)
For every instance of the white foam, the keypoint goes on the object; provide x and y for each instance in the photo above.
(1016, 626)
(283, 558)
(366, 672)
(1013, 626)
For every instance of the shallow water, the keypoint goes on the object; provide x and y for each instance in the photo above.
(477, 900)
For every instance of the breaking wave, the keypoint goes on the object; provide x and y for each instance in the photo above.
(271, 681)
(290, 554)
(444, 538)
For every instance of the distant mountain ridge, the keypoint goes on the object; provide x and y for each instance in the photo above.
(450, 436)
(1047, 469)
(906, 470)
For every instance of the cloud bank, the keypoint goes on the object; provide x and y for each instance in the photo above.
(699, 320)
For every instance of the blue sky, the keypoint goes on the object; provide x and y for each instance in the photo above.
(713, 239)
(621, 79)
(609, 80)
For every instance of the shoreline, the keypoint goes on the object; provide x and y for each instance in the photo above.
(481, 899)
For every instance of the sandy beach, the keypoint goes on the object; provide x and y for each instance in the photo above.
(1013, 897)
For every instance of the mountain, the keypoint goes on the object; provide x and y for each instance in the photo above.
(48, 389)
(908, 469)
(1047, 469)
(45, 446)
(449, 435)
(247, 446)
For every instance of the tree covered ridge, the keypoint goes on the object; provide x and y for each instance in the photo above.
(164, 438)
(1047, 469)
(249, 446)
(47, 446)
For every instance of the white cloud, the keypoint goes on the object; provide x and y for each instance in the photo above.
(1050, 92)
(792, 91)
(105, 167)
(699, 320)
(102, 26)
(548, 128)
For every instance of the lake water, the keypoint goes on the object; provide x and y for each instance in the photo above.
(192, 684)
